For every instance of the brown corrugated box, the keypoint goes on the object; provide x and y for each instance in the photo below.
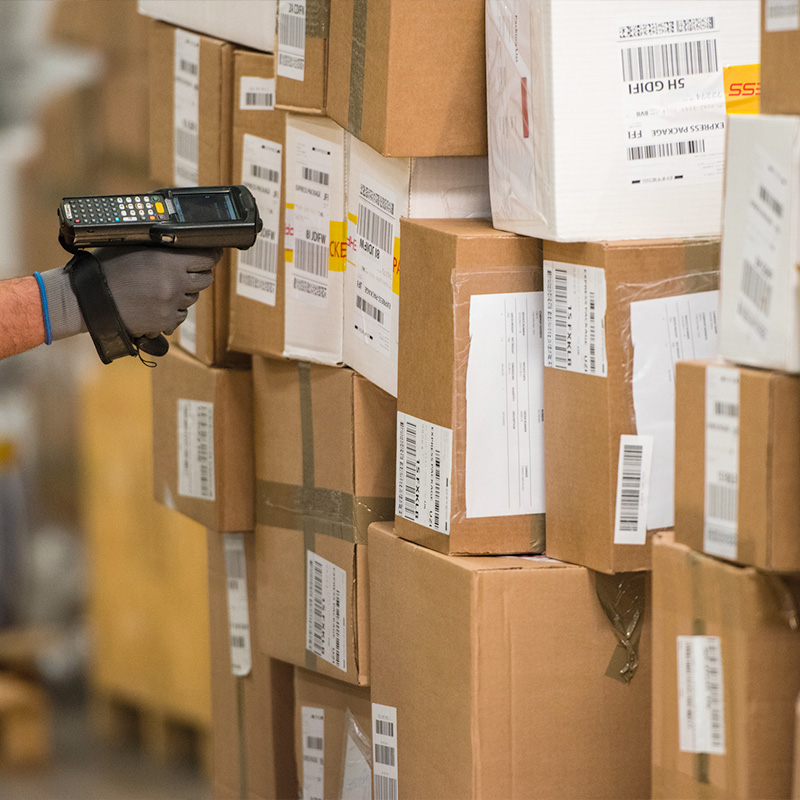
(408, 77)
(345, 723)
(499, 672)
(203, 441)
(325, 451)
(780, 88)
(588, 413)
(768, 509)
(753, 616)
(253, 751)
(445, 263)
(308, 95)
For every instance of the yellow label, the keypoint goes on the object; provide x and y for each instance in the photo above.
(743, 89)
(353, 218)
(288, 256)
(290, 205)
(396, 267)
(337, 250)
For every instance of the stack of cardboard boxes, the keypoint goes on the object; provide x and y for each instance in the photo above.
(386, 617)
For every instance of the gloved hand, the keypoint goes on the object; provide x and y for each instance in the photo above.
(152, 287)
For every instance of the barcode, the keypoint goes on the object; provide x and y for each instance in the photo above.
(437, 487)
(318, 610)
(713, 681)
(204, 429)
(671, 60)
(726, 409)
(368, 308)
(314, 743)
(383, 727)
(408, 439)
(665, 149)
(259, 99)
(262, 255)
(337, 633)
(235, 563)
(756, 288)
(385, 788)
(186, 144)
(667, 27)
(265, 173)
(375, 229)
(238, 642)
(384, 754)
(562, 342)
(311, 257)
(592, 334)
(770, 201)
(631, 488)
(316, 176)
(292, 31)
(191, 67)
(721, 502)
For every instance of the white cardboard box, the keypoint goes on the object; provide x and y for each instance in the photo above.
(380, 190)
(759, 323)
(248, 22)
(607, 120)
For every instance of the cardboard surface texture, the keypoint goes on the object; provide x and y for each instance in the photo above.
(470, 365)
(203, 442)
(723, 709)
(325, 454)
(607, 120)
(744, 505)
(618, 316)
(408, 77)
(780, 38)
(466, 702)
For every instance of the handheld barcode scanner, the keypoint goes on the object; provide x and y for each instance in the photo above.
(205, 216)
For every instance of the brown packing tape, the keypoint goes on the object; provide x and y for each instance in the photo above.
(318, 17)
(357, 61)
(622, 597)
(538, 533)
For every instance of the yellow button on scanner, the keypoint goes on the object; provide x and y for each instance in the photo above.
(160, 208)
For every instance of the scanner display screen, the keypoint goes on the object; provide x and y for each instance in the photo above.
(204, 207)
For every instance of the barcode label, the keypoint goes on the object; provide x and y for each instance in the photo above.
(314, 742)
(263, 255)
(313, 737)
(701, 700)
(196, 449)
(326, 610)
(633, 487)
(186, 144)
(316, 176)
(770, 201)
(292, 39)
(256, 94)
(424, 465)
(265, 173)
(755, 286)
(292, 30)
(384, 752)
(238, 609)
(186, 108)
(667, 150)
(670, 27)
(311, 257)
(669, 60)
(720, 525)
(781, 15)
(369, 309)
(376, 229)
(190, 67)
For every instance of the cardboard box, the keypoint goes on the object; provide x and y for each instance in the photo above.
(607, 120)
(379, 192)
(408, 77)
(618, 316)
(325, 454)
(780, 38)
(251, 695)
(723, 709)
(333, 746)
(302, 56)
(759, 319)
(203, 442)
(478, 660)
(737, 467)
(252, 24)
(470, 397)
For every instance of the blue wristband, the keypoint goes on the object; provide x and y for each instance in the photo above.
(48, 333)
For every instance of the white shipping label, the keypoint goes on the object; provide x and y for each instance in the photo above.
(292, 39)
(371, 246)
(505, 405)
(187, 332)
(781, 15)
(575, 318)
(357, 777)
(666, 330)
(308, 235)
(701, 709)
(721, 520)
(326, 610)
(633, 489)
(196, 449)
(762, 245)
(257, 268)
(256, 94)
(384, 752)
(238, 610)
(313, 733)
(673, 95)
(186, 132)
(424, 466)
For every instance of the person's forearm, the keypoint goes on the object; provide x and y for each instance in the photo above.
(21, 320)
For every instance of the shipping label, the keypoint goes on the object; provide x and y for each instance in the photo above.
(424, 468)
(238, 610)
(186, 132)
(701, 701)
(196, 449)
(326, 610)
(313, 733)
(384, 752)
(187, 332)
(257, 268)
(256, 94)
(575, 318)
(292, 39)
(505, 405)
(633, 489)
(673, 96)
(721, 519)
(781, 15)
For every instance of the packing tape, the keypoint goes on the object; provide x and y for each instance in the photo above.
(622, 597)
(694, 560)
(538, 533)
(318, 16)
(358, 56)
(244, 789)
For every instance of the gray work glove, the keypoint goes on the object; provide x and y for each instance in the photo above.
(152, 287)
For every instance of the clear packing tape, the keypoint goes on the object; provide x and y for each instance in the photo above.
(357, 761)
(622, 597)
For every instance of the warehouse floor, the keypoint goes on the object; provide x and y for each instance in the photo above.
(86, 768)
